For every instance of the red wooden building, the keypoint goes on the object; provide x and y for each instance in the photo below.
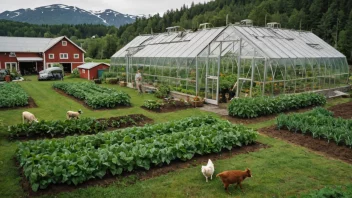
(90, 70)
(31, 55)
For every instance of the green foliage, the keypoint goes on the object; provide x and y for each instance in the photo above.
(88, 59)
(320, 123)
(153, 104)
(263, 105)
(109, 75)
(331, 192)
(95, 96)
(57, 128)
(74, 160)
(163, 91)
(12, 95)
(75, 73)
(60, 128)
(227, 81)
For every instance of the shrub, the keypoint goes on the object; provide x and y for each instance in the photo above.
(162, 92)
(263, 105)
(75, 73)
(88, 59)
(112, 81)
(109, 75)
(153, 104)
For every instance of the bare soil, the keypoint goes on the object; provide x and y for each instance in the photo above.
(319, 145)
(140, 175)
(342, 110)
(170, 106)
(31, 104)
(85, 105)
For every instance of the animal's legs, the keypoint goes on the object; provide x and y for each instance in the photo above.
(211, 177)
(241, 186)
(206, 179)
(227, 188)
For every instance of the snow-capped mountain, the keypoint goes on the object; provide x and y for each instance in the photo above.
(64, 14)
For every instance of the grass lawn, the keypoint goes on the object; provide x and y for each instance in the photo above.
(279, 171)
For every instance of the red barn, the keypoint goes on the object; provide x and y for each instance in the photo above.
(31, 55)
(90, 70)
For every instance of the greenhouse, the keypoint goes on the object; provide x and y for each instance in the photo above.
(208, 62)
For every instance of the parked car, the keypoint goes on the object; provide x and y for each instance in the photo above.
(3, 73)
(52, 73)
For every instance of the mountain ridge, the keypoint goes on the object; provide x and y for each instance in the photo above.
(55, 14)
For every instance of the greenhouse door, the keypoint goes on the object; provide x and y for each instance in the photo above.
(212, 81)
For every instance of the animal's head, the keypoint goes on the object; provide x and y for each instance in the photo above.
(248, 171)
(36, 120)
(209, 161)
(80, 111)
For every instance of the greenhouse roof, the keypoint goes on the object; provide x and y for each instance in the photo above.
(283, 43)
(269, 42)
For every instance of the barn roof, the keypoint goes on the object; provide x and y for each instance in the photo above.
(28, 44)
(91, 65)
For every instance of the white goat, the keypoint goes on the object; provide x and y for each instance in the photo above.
(28, 117)
(73, 114)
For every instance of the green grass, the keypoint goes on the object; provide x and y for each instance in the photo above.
(279, 171)
(101, 61)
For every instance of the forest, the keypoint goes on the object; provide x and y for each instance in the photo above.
(329, 19)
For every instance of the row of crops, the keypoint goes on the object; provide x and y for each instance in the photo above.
(320, 123)
(76, 159)
(264, 105)
(95, 96)
(12, 95)
(59, 128)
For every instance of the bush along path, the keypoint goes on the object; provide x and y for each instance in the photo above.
(74, 160)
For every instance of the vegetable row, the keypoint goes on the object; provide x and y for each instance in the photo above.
(60, 128)
(95, 96)
(320, 123)
(263, 105)
(74, 160)
(12, 95)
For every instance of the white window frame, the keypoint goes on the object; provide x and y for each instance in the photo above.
(53, 56)
(12, 54)
(76, 56)
(83, 71)
(16, 65)
(64, 43)
(61, 56)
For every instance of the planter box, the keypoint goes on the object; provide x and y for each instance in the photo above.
(123, 84)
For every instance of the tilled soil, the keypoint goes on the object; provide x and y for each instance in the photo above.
(31, 104)
(321, 146)
(141, 175)
(342, 110)
(85, 105)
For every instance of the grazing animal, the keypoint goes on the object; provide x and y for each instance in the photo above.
(73, 114)
(208, 170)
(233, 176)
(29, 117)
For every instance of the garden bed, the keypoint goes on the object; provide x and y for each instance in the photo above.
(31, 104)
(319, 145)
(85, 105)
(75, 127)
(169, 106)
(342, 110)
(140, 175)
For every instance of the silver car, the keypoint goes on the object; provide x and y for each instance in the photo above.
(52, 73)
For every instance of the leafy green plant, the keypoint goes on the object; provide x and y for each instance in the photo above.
(153, 104)
(76, 159)
(12, 95)
(95, 96)
(320, 123)
(163, 91)
(263, 105)
(75, 73)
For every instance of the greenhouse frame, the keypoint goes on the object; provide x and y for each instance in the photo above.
(262, 60)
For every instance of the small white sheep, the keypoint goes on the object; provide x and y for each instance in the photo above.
(73, 114)
(28, 117)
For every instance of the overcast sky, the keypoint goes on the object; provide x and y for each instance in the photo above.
(123, 6)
